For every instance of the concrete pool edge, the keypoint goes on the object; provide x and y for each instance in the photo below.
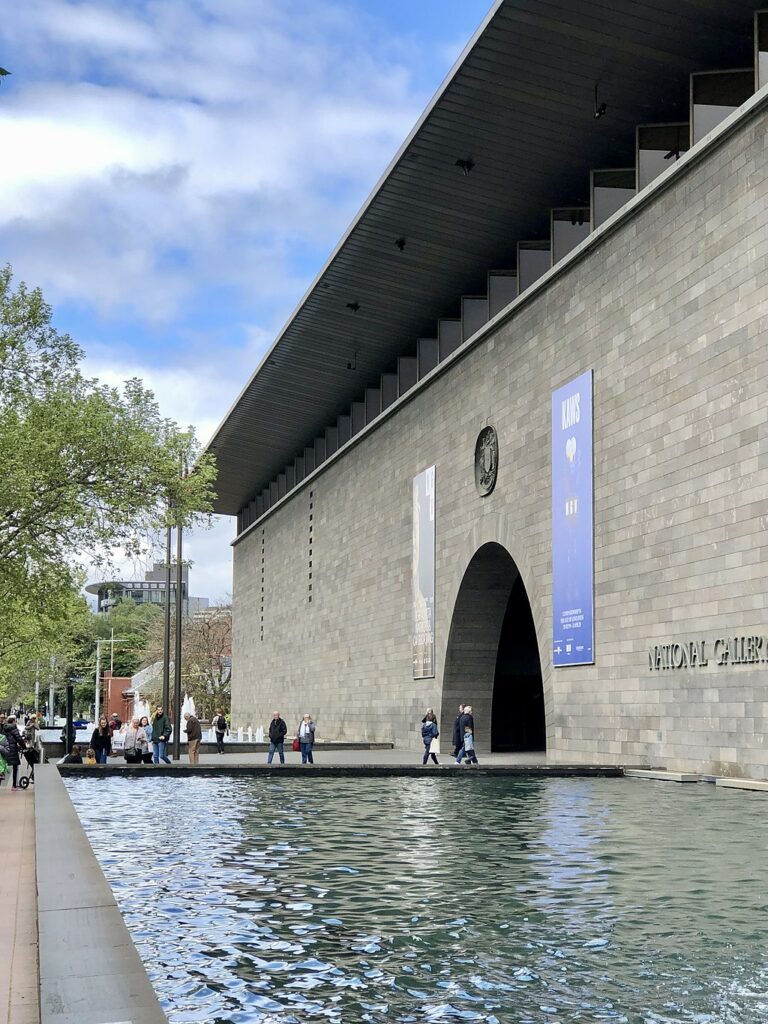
(360, 770)
(94, 963)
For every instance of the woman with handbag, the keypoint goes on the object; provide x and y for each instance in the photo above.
(132, 746)
(429, 733)
(306, 737)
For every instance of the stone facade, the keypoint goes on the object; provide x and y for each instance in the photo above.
(670, 310)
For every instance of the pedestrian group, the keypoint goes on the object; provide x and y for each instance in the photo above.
(463, 736)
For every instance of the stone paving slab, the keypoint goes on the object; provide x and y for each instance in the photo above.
(18, 935)
(661, 776)
(757, 785)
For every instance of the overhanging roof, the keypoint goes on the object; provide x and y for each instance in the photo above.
(520, 103)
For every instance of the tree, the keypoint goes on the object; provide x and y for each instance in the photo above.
(85, 468)
(206, 659)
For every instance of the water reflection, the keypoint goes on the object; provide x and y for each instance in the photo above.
(492, 900)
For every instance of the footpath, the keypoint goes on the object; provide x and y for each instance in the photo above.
(18, 899)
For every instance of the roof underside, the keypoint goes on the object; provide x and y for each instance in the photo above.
(520, 104)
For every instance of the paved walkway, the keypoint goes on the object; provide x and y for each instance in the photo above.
(364, 757)
(19, 990)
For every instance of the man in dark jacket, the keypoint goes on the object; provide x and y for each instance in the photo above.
(277, 731)
(194, 735)
(161, 733)
(465, 719)
(458, 732)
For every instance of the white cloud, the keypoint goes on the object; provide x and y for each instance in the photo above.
(156, 151)
(211, 131)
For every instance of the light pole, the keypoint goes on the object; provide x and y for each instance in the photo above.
(177, 655)
(167, 629)
(51, 693)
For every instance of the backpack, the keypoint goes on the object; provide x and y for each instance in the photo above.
(429, 730)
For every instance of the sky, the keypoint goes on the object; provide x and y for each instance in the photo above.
(175, 172)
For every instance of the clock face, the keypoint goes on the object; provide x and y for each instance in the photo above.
(486, 460)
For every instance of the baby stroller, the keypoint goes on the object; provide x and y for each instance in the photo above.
(32, 758)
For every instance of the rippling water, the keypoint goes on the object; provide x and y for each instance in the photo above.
(410, 900)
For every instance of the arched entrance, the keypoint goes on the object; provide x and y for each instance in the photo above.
(492, 658)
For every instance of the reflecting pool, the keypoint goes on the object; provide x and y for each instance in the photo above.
(423, 900)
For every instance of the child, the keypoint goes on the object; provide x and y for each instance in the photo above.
(469, 745)
(90, 756)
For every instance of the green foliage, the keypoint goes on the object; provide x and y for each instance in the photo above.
(131, 624)
(86, 469)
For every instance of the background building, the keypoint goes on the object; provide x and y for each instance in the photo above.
(149, 590)
(512, 447)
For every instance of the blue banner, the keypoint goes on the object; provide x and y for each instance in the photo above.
(572, 524)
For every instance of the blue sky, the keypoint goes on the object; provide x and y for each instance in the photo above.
(175, 172)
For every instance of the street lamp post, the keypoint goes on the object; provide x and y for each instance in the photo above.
(177, 655)
(167, 623)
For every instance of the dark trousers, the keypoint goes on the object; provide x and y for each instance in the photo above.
(306, 753)
(427, 755)
(15, 770)
(219, 742)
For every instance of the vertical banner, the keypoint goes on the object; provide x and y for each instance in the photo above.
(572, 524)
(423, 572)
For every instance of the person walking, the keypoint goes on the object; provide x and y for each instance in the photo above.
(429, 733)
(220, 727)
(194, 733)
(15, 744)
(277, 733)
(466, 719)
(469, 746)
(306, 737)
(161, 733)
(457, 732)
(101, 740)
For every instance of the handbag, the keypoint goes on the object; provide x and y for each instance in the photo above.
(296, 744)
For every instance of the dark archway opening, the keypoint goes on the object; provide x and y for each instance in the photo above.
(492, 659)
(517, 717)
